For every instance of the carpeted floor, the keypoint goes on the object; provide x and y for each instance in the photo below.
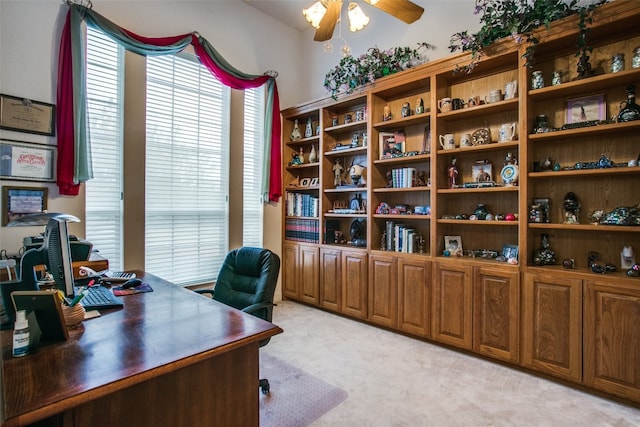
(297, 398)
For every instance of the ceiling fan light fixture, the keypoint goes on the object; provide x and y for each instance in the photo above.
(357, 19)
(315, 13)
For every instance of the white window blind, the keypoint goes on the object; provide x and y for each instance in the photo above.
(103, 193)
(252, 221)
(187, 172)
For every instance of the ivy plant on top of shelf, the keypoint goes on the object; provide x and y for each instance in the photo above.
(519, 19)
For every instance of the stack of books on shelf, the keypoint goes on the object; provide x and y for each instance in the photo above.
(301, 230)
(403, 178)
(299, 204)
(401, 238)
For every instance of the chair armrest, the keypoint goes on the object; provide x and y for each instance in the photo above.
(205, 291)
(255, 307)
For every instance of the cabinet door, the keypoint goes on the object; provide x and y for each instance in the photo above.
(290, 277)
(496, 305)
(452, 303)
(354, 284)
(414, 292)
(552, 325)
(612, 338)
(383, 290)
(309, 274)
(330, 279)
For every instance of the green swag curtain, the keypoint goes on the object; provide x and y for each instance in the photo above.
(74, 160)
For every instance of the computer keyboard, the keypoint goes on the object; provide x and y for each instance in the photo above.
(100, 297)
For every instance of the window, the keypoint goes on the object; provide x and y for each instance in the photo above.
(252, 221)
(103, 218)
(187, 170)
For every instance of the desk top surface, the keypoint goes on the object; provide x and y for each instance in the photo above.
(155, 333)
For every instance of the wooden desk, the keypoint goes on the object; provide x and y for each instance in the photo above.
(168, 358)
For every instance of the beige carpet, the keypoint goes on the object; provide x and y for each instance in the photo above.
(296, 398)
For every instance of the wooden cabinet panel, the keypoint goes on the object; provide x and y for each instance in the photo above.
(290, 278)
(354, 284)
(496, 305)
(309, 274)
(414, 292)
(552, 325)
(452, 302)
(382, 291)
(330, 279)
(612, 337)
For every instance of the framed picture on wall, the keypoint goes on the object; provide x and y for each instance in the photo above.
(587, 108)
(20, 201)
(26, 115)
(27, 161)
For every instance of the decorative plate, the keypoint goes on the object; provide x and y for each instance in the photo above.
(509, 174)
(481, 137)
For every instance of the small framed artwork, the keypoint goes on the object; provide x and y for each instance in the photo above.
(305, 182)
(21, 201)
(510, 252)
(314, 182)
(26, 115)
(482, 171)
(27, 161)
(389, 147)
(453, 246)
(587, 108)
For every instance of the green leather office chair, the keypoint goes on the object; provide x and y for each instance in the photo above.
(247, 281)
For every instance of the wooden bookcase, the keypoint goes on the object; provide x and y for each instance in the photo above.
(544, 318)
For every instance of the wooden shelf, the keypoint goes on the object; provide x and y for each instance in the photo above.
(587, 86)
(404, 159)
(563, 135)
(512, 188)
(353, 215)
(480, 110)
(394, 124)
(587, 227)
(485, 147)
(346, 127)
(402, 190)
(303, 166)
(403, 217)
(345, 190)
(346, 151)
(304, 141)
(587, 172)
(478, 222)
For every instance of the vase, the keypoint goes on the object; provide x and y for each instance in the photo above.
(544, 255)
(73, 316)
(313, 155)
(481, 211)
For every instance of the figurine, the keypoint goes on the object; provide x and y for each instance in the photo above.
(295, 160)
(406, 110)
(337, 173)
(387, 113)
(419, 106)
(453, 173)
(308, 132)
(571, 208)
(301, 156)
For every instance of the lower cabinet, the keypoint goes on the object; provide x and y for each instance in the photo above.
(496, 313)
(414, 296)
(354, 283)
(452, 304)
(331, 279)
(290, 271)
(611, 337)
(383, 294)
(309, 274)
(552, 325)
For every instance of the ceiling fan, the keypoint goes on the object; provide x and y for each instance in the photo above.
(404, 10)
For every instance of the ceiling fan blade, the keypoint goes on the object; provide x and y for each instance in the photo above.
(404, 10)
(329, 20)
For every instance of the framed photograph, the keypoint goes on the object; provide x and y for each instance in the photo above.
(586, 109)
(26, 115)
(482, 171)
(27, 162)
(389, 147)
(305, 182)
(510, 252)
(21, 201)
(453, 244)
(314, 182)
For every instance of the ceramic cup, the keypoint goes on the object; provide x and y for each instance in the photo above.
(457, 103)
(444, 105)
(473, 101)
(494, 96)
(73, 316)
(465, 140)
(447, 141)
(507, 132)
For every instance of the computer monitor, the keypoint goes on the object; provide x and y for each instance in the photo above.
(57, 251)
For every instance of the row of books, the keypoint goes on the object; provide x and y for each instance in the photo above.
(403, 178)
(300, 204)
(302, 230)
(402, 238)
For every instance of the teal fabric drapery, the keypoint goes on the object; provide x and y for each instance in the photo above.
(73, 138)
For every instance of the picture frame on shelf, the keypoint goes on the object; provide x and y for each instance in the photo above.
(314, 182)
(453, 245)
(510, 252)
(482, 171)
(586, 108)
(305, 182)
(389, 148)
(26, 115)
(20, 201)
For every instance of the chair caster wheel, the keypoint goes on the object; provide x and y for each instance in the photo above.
(264, 386)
